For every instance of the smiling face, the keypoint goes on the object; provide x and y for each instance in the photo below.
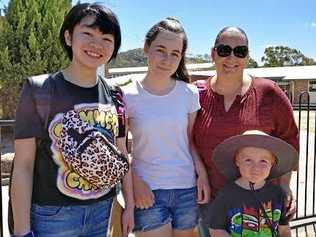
(254, 164)
(231, 64)
(90, 47)
(164, 53)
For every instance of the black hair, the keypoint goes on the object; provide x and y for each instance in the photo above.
(173, 25)
(105, 20)
(228, 28)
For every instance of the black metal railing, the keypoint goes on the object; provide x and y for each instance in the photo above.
(306, 174)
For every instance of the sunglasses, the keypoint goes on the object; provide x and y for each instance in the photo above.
(225, 50)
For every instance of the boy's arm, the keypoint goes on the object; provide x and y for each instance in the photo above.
(202, 179)
(218, 233)
(284, 231)
(22, 183)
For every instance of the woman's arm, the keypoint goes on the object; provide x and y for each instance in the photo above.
(218, 233)
(202, 178)
(284, 231)
(286, 129)
(22, 184)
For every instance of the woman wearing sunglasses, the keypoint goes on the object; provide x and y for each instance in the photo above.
(233, 102)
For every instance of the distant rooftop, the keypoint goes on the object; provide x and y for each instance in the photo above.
(281, 73)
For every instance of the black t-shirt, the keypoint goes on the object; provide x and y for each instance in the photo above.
(54, 183)
(236, 210)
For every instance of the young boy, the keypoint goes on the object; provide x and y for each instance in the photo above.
(251, 205)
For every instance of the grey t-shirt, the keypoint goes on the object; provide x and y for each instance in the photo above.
(159, 124)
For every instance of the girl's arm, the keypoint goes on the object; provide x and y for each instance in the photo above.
(284, 231)
(202, 178)
(128, 213)
(22, 184)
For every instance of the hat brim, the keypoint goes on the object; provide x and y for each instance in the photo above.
(224, 154)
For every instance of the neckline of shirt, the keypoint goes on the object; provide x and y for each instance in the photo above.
(238, 96)
(153, 95)
(71, 84)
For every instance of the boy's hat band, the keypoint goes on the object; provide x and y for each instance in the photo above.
(224, 153)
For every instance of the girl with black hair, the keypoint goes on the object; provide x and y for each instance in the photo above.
(49, 197)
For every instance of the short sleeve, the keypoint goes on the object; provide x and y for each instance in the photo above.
(218, 218)
(28, 123)
(194, 99)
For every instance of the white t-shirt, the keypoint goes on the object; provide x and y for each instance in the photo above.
(159, 124)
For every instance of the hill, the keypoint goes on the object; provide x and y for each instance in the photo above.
(136, 58)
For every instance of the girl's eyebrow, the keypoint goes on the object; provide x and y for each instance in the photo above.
(162, 46)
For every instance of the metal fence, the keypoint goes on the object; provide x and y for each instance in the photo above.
(303, 181)
(303, 185)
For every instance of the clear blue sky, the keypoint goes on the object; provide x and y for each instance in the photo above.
(267, 22)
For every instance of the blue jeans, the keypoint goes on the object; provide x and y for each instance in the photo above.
(71, 221)
(175, 206)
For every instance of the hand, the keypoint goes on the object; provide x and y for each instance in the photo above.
(290, 202)
(143, 196)
(127, 221)
(203, 188)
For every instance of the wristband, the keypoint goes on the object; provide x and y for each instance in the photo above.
(29, 234)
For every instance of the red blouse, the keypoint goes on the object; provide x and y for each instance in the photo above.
(263, 107)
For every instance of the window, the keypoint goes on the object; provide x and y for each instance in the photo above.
(312, 86)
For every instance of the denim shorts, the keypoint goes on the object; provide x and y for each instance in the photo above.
(175, 206)
(77, 220)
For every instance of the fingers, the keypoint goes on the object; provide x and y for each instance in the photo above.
(145, 203)
(291, 208)
(125, 231)
(128, 228)
(145, 200)
(203, 192)
(127, 222)
(199, 193)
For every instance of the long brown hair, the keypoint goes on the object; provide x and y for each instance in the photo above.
(173, 25)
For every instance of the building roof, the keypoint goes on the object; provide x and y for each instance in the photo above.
(276, 73)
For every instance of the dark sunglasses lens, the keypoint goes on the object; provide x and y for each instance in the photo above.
(241, 51)
(223, 50)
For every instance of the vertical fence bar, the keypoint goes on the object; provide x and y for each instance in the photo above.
(306, 153)
(298, 169)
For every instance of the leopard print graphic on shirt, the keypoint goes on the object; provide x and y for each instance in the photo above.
(89, 152)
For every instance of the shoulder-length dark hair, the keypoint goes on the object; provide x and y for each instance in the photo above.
(173, 25)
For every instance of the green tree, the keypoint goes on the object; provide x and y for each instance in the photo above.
(29, 45)
(252, 63)
(279, 56)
